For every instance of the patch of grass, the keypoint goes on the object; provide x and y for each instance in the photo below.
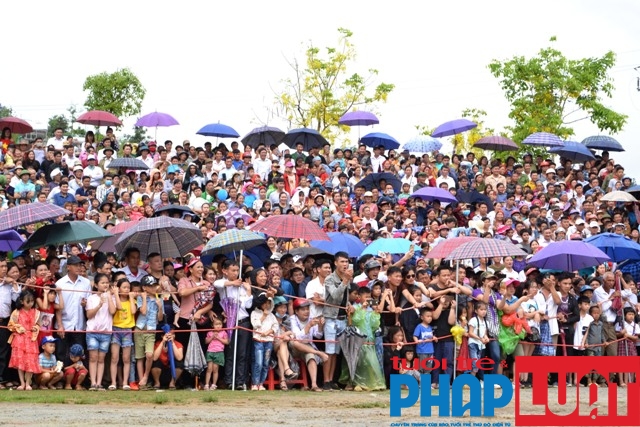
(160, 398)
(209, 398)
(367, 405)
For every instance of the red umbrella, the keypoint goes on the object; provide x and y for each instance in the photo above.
(443, 249)
(289, 226)
(16, 125)
(109, 244)
(99, 118)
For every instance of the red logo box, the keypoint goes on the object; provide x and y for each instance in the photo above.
(569, 398)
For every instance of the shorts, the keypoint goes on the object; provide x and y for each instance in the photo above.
(215, 357)
(76, 373)
(122, 337)
(144, 343)
(98, 342)
(332, 328)
(307, 357)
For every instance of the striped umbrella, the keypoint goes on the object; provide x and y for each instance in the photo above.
(443, 249)
(543, 139)
(574, 151)
(231, 241)
(496, 143)
(485, 248)
(289, 226)
(29, 214)
(171, 237)
(128, 163)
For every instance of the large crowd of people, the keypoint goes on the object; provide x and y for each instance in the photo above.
(75, 317)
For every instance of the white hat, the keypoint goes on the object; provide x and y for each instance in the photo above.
(56, 172)
(594, 224)
(560, 230)
(579, 221)
(550, 170)
(619, 225)
(91, 157)
(367, 194)
(78, 168)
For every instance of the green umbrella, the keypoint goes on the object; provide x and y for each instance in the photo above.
(65, 232)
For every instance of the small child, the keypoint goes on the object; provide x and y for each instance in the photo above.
(409, 354)
(582, 326)
(410, 316)
(75, 374)
(215, 352)
(49, 310)
(24, 325)
(378, 296)
(151, 312)
(423, 336)
(630, 332)
(122, 338)
(596, 341)
(265, 325)
(100, 310)
(50, 372)
(478, 337)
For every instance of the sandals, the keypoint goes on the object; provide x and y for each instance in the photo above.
(291, 376)
(112, 387)
(206, 388)
(316, 389)
(283, 386)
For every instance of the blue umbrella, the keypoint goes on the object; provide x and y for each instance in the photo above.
(574, 151)
(569, 255)
(423, 144)
(391, 245)
(308, 137)
(434, 193)
(634, 191)
(376, 139)
(618, 247)
(219, 130)
(172, 361)
(602, 142)
(10, 241)
(263, 135)
(340, 242)
(258, 255)
(373, 180)
(544, 139)
(453, 127)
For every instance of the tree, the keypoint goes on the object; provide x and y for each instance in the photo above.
(5, 111)
(57, 121)
(549, 92)
(119, 93)
(323, 89)
(139, 135)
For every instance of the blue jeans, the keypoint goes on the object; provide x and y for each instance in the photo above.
(443, 350)
(492, 349)
(475, 353)
(261, 357)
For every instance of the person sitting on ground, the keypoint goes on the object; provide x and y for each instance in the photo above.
(160, 369)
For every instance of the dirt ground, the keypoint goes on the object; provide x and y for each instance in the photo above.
(225, 408)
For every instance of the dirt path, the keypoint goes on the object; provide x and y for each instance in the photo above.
(224, 408)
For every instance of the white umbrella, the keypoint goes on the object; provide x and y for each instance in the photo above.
(618, 196)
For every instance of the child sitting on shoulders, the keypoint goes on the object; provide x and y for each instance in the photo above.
(50, 373)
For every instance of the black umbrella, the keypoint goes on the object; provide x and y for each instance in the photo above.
(175, 210)
(474, 197)
(372, 181)
(263, 135)
(308, 137)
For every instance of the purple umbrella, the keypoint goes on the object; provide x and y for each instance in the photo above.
(230, 307)
(453, 127)
(496, 143)
(358, 118)
(10, 241)
(569, 255)
(233, 214)
(543, 139)
(573, 151)
(154, 120)
(434, 193)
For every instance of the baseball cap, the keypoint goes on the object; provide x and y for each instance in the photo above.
(593, 224)
(91, 157)
(585, 288)
(579, 221)
(371, 264)
(488, 275)
(173, 169)
(74, 260)
(47, 340)
(367, 194)
(279, 301)
(76, 350)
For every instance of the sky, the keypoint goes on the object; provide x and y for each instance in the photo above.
(209, 62)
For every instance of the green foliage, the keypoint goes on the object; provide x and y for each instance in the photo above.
(139, 135)
(5, 111)
(57, 121)
(119, 93)
(324, 89)
(550, 92)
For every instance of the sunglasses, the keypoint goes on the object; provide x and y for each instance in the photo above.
(410, 276)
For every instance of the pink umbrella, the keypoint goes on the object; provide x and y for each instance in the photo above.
(16, 125)
(99, 118)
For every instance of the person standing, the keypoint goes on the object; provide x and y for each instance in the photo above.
(9, 293)
(335, 314)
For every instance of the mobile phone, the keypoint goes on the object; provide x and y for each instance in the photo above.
(350, 266)
(32, 273)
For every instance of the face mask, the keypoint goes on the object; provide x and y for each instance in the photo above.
(466, 212)
(108, 182)
(280, 315)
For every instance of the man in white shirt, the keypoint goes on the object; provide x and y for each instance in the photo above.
(132, 270)
(444, 177)
(74, 290)
(227, 173)
(93, 171)
(377, 159)
(262, 165)
(603, 296)
(57, 140)
(315, 288)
